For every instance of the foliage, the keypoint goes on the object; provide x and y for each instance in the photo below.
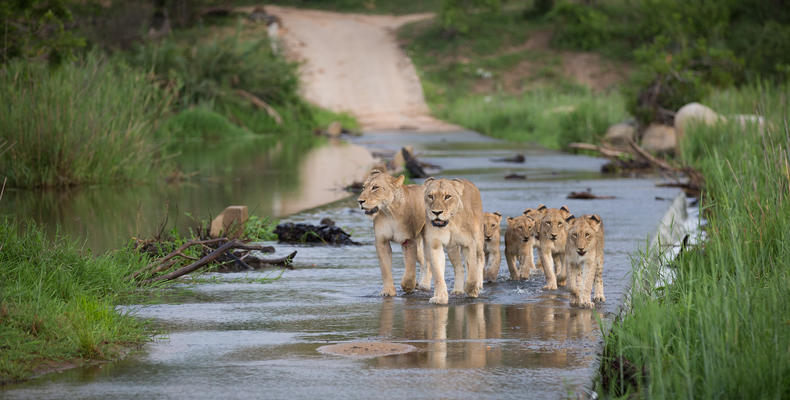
(57, 304)
(36, 30)
(580, 27)
(455, 16)
(259, 229)
(199, 123)
(724, 313)
(85, 122)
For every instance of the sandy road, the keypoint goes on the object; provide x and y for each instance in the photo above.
(352, 63)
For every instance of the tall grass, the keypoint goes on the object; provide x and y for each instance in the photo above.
(721, 329)
(551, 118)
(85, 122)
(57, 304)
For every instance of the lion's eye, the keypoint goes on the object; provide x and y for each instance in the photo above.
(574, 236)
(548, 223)
(559, 223)
(430, 197)
(586, 235)
(374, 188)
(447, 197)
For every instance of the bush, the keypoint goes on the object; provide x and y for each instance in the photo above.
(580, 27)
(588, 121)
(199, 123)
(89, 121)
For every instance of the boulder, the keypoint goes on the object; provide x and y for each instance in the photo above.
(229, 223)
(659, 138)
(620, 134)
(694, 112)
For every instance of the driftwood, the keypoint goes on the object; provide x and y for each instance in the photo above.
(587, 196)
(286, 261)
(605, 151)
(516, 177)
(257, 102)
(170, 259)
(195, 265)
(518, 158)
(412, 165)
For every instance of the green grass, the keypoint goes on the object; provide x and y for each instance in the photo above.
(90, 121)
(722, 328)
(57, 303)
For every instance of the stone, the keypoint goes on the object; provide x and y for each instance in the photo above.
(290, 232)
(620, 134)
(399, 159)
(694, 112)
(230, 222)
(334, 129)
(659, 139)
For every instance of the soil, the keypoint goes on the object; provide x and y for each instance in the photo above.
(352, 63)
(366, 349)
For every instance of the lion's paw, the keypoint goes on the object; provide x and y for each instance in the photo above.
(457, 291)
(438, 300)
(424, 286)
(599, 299)
(472, 290)
(388, 292)
(586, 304)
(408, 285)
(550, 286)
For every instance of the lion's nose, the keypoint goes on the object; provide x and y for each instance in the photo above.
(436, 213)
(553, 237)
(361, 202)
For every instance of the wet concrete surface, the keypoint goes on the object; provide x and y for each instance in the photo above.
(234, 338)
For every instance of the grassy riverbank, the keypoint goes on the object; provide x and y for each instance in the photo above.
(57, 304)
(720, 330)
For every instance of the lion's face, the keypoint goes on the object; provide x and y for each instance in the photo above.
(583, 233)
(378, 192)
(442, 200)
(553, 225)
(491, 225)
(521, 226)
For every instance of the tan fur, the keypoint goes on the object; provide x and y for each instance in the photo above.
(552, 236)
(454, 220)
(398, 213)
(584, 255)
(519, 242)
(492, 237)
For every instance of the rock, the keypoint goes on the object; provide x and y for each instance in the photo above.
(399, 159)
(315, 234)
(659, 138)
(620, 134)
(229, 223)
(694, 112)
(334, 129)
(518, 158)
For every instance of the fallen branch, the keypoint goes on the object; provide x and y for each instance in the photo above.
(587, 196)
(412, 165)
(162, 262)
(605, 151)
(256, 101)
(195, 265)
(281, 261)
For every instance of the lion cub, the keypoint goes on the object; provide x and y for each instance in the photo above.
(552, 235)
(454, 220)
(584, 255)
(398, 213)
(492, 236)
(519, 240)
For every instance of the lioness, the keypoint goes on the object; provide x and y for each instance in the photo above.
(454, 213)
(519, 241)
(584, 255)
(553, 232)
(398, 213)
(492, 237)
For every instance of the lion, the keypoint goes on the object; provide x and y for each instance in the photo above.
(398, 213)
(454, 213)
(552, 237)
(584, 255)
(519, 242)
(492, 238)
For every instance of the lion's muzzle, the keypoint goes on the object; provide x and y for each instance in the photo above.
(438, 223)
(581, 252)
(371, 211)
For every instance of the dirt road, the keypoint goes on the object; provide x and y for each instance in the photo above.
(352, 63)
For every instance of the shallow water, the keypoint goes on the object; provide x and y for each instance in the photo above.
(235, 339)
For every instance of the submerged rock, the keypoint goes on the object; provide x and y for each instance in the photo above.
(290, 232)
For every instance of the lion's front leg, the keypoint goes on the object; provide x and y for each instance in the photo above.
(492, 271)
(454, 252)
(425, 269)
(573, 283)
(384, 252)
(527, 262)
(588, 274)
(435, 253)
(548, 269)
(599, 297)
(562, 273)
(409, 260)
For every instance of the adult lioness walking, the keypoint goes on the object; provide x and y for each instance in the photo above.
(454, 213)
(398, 213)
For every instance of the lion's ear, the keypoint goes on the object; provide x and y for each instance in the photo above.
(498, 215)
(595, 218)
(509, 219)
(528, 211)
(529, 217)
(541, 207)
(399, 180)
(459, 185)
(565, 208)
(375, 171)
(570, 218)
(428, 180)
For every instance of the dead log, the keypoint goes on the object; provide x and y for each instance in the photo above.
(257, 102)
(605, 151)
(280, 261)
(177, 252)
(413, 165)
(587, 196)
(518, 158)
(195, 265)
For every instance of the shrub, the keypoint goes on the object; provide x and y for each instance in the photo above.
(84, 122)
(580, 27)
